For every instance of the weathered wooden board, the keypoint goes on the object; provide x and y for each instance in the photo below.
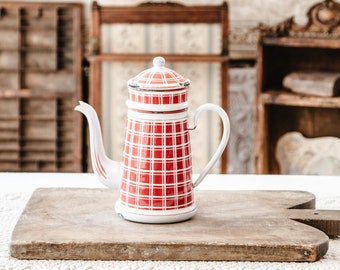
(229, 225)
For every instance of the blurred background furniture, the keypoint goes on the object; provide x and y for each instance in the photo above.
(156, 13)
(40, 81)
(286, 48)
(140, 38)
(296, 154)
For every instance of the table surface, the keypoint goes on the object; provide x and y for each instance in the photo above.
(319, 185)
(16, 188)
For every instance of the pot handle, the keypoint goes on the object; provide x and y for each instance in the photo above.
(224, 140)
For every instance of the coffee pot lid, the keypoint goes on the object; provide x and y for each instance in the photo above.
(158, 78)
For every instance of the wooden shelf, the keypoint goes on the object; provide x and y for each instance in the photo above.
(277, 97)
(283, 49)
(302, 42)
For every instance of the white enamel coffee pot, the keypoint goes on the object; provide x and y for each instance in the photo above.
(155, 177)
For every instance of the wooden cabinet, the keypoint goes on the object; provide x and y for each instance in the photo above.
(40, 83)
(287, 48)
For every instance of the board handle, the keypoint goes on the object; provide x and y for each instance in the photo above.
(327, 221)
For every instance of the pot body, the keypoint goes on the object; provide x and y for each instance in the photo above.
(157, 168)
(157, 184)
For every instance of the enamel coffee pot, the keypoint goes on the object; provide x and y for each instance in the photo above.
(155, 178)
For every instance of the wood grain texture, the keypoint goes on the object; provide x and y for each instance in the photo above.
(41, 58)
(229, 225)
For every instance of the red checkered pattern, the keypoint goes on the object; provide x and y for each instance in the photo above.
(157, 160)
(158, 79)
(158, 98)
(157, 165)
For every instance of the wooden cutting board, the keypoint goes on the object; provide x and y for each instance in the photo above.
(229, 225)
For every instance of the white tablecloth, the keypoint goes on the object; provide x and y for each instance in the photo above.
(16, 189)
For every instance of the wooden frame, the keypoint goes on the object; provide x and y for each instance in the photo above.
(156, 13)
(285, 48)
(41, 81)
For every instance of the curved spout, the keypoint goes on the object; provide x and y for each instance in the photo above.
(109, 172)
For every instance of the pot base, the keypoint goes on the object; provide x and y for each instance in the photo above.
(155, 217)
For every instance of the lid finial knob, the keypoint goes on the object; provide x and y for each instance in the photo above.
(158, 62)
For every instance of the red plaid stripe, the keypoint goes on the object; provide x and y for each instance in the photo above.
(158, 98)
(156, 78)
(157, 165)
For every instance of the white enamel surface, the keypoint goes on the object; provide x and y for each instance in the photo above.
(157, 108)
(144, 216)
(158, 62)
(224, 140)
(107, 171)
